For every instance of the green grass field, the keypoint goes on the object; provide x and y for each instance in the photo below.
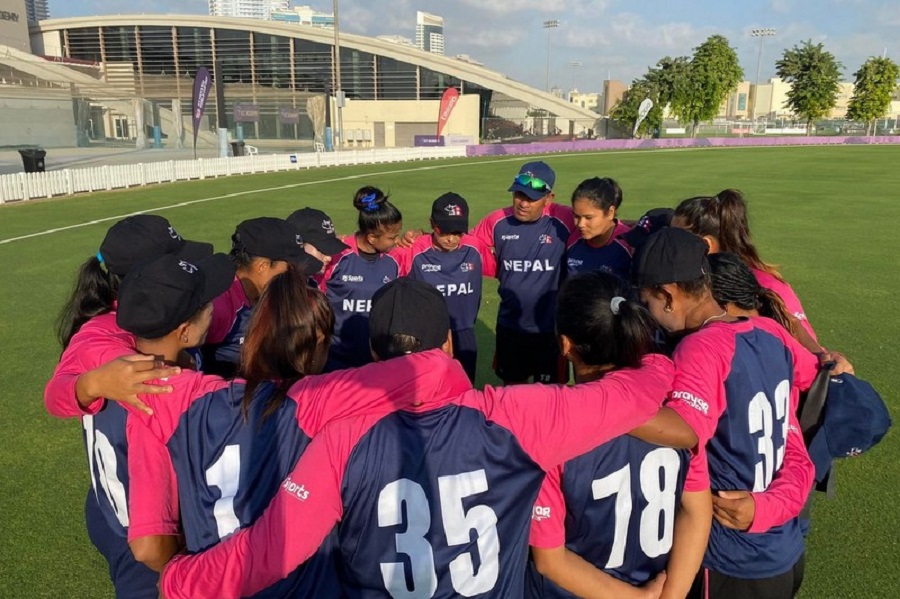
(826, 215)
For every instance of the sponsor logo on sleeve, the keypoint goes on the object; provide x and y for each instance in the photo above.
(295, 490)
(540, 513)
(692, 400)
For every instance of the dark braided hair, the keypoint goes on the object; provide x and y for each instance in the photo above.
(734, 283)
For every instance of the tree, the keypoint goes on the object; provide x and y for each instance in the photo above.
(712, 74)
(669, 76)
(625, 112)
(814, 75)
(876, 82)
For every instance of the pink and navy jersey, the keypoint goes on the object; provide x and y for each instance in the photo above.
(457, 275)
(787, 295)
(433, 500)
(221, 354)
(99, 340)
(615, 507)
(735, 386)
(530, 264)
(613, 257)
(349, 283)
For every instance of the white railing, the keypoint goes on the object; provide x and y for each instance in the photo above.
(25, 186)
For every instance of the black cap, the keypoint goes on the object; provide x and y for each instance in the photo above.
(145, 237)
(317, 230)
(409, 307)
(671, 255)
(450, 213)
(276, 239)
(651, 222)
(156, 297)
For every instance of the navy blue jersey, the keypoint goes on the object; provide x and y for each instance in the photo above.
(530, 265)
(615, 507)
(106, 443)
(457, 275)
(349, 284)
(614, 258)
(412, 474)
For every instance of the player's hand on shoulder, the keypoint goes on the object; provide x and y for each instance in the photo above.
(125, 378)
(409, 238)
(734, 509)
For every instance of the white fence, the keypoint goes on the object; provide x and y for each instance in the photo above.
(26, 186)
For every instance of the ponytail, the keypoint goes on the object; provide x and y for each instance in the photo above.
(734, 283)
(375, 210)
(93, 294)
(291, 324)
(772, 306)
(604, 326)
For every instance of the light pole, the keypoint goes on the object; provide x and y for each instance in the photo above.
(339, 94)
(548, 25)
(762, 34)
(574, 64)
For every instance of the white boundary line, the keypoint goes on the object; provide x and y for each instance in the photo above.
(473, 161)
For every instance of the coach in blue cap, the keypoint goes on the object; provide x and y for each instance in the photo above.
(529, 241)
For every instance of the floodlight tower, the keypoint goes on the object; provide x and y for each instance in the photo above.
(549, 25)
(762, 34)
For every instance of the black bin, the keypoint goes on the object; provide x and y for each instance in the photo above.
(33, 160)
(237, 148)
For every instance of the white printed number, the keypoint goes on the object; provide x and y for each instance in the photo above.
(102, 454)
(225, 475)
(760, 417)
(660, 496)
(457, 526)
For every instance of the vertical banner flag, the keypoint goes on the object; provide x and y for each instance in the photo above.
(448, 101)
(643, 111)
(202, 82)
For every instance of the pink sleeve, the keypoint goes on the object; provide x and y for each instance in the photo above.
(698, 472)
(806, 364)
(335, 260)
(786, 495)
(188, 387)
(787, 294)
(403, 257)
(563, 214)
(548, 520)
(89, 349)
(301, 514)
(488, 260)
(484, 230)
(697, 394)
(555, 423)
(152, 485)
(224, 312)
(376, 388)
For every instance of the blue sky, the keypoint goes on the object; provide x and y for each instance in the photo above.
(606, 36)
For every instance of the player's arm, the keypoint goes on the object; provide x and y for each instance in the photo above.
(691, 534)
(667, 428)
(123, 379)
(578, 576)
(299, 517)
(557, 423)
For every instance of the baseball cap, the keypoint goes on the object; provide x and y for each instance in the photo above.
(450, 213)
(651, 222)
(157, 296)
(669, 256)
(535, 180)
(144, 237)
(409, 307)
(276, 239)
(854, 419)
(317, 230)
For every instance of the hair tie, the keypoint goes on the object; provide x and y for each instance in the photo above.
(615, 303)
(370, 203)
(100, 257)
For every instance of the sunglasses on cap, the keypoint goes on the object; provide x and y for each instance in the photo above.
(527, 180)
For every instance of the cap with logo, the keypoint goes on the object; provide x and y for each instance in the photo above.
(535, 180)
(409, 307)
(275, 239)
(450, 213)
(669, 256)
(156, 297)
(144, 237)
(317, 230)
(651, 222)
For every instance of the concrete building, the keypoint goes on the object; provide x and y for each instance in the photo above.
(14, 24)
(37, 10)
(591, 101)
(429, 32)
(247, 9)
(613, 92)
(305, 15)
(397, 39)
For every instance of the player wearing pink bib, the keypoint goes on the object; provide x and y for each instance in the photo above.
(734, 385)
(422, 493)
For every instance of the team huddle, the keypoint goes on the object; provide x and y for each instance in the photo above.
(297, 418)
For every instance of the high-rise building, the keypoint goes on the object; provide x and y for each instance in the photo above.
(429, 32)
(37, 10)
(305, 15)
(249, 9)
